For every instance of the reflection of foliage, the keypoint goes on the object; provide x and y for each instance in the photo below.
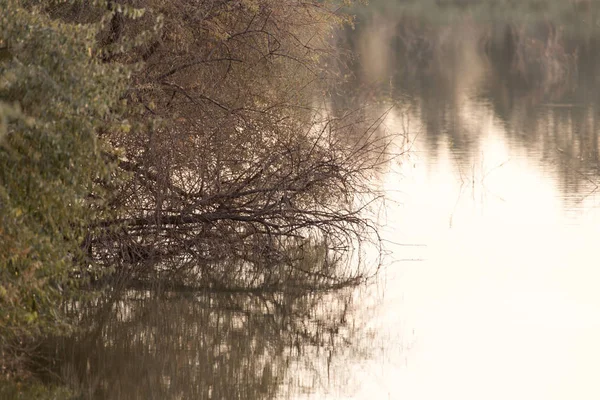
(10, 390)
(541, 58)
(196, 346)
(302, 266)
(543, 54)
(579, 16)
(539, 79)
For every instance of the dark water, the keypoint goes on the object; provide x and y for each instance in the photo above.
(209, 346)
(490, 290)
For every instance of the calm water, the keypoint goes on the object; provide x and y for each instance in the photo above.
(490, 289)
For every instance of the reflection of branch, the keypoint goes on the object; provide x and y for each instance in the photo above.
(494, 168)
(218, 337)
(472, 181)
(585, 177)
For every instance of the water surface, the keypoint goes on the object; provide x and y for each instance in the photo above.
(494, 210)
(490, 286)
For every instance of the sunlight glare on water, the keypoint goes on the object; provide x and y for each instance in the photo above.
(491, 218)
(504, 303)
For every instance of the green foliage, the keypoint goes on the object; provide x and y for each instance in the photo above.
(54, 97)
(32, 390)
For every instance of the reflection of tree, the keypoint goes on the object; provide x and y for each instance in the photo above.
(199, 346)
(539, 80)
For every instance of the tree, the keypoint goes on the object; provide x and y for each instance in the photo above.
(233, 172)
(246, 168)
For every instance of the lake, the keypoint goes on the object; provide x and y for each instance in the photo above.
(489, 286)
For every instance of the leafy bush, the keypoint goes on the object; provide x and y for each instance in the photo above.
(54, 96)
